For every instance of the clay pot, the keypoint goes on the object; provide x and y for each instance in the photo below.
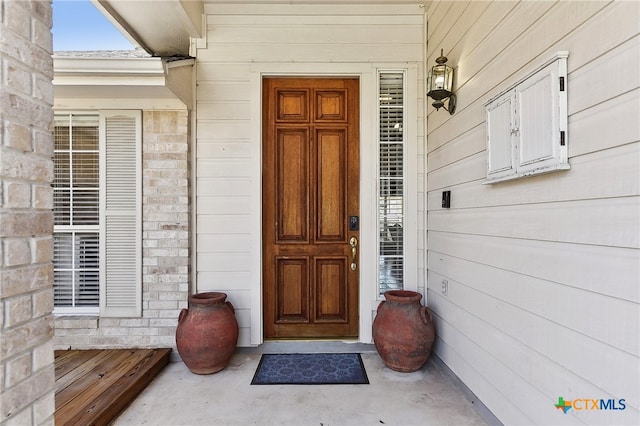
(207, 333)
(403, 331)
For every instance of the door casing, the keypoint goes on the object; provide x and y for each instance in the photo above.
(368, 253)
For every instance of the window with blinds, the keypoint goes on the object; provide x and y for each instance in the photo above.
(76, 195)
(97, 232)
(391, 196)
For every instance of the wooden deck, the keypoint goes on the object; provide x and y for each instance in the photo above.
(94, 386)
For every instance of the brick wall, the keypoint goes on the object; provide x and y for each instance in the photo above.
(165, 245)
(26, 219)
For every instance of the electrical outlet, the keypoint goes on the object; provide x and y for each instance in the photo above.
(445, 287)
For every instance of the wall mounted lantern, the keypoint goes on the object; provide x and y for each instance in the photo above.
(440, 84)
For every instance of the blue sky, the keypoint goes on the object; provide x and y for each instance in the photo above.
(78, 25)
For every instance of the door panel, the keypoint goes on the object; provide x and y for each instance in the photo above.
(331, 106)
(292, 185)
(310, 188)
(331, 186)
(293, 290)
(292, 105)
(331, 289)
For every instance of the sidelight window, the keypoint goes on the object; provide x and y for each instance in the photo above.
(391, 180)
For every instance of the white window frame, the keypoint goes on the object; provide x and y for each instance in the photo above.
(527, 124)
(73, 229)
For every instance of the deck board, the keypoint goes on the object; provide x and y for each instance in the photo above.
(82, 372)
(94, 386)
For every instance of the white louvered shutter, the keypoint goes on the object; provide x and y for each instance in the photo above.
(120, 211)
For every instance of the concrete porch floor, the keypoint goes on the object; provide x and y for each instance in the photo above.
(426, 397)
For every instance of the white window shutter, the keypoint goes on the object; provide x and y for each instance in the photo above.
(501, 127)
(120, 210)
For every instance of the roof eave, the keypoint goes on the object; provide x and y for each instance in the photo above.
(121, 78)
(162, 28)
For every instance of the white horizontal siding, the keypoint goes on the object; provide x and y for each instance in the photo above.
(223, 167)
(241, 304)
(578, 354)
(225, 149)
(223, 224)
(592, 127)
(243, 39)
(311, 33)
(297, 32)
(543, 272)
(571, 306)
(230, 206)
(221, 110)
(506, 369)
(223, 71)
(613, 67)
(223, 277)
(224, 129)
(312, 51)
(612, 222)
(609, 271)
(223, 187)
(341, 14)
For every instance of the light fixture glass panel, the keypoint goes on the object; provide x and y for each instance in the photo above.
(440, 82)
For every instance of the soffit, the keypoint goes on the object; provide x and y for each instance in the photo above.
(161, 27)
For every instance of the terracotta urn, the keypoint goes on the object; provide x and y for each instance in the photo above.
(403, 331)
(207, 333)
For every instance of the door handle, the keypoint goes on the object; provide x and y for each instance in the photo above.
(353, 242)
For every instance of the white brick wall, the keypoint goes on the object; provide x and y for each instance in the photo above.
(165, 263)
(26, 220)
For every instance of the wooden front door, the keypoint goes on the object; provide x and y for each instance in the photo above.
(310, 207)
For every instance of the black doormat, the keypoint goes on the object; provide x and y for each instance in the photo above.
(310, 369)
